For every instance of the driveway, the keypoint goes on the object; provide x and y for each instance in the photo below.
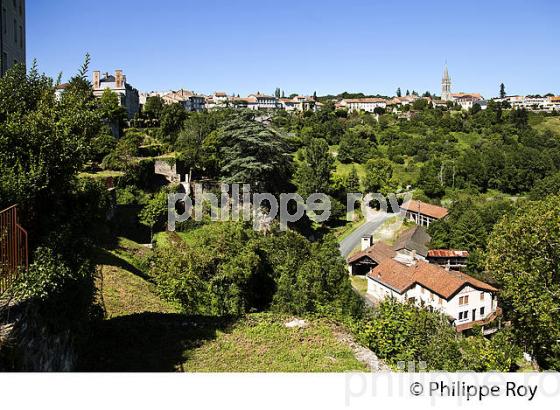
(353, 240)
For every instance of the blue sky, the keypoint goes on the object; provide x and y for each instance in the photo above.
(244, 46)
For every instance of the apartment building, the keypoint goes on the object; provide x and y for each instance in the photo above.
(12, 33)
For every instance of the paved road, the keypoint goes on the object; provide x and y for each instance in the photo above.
(353, 240)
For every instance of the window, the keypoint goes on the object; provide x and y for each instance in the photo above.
(464, 315)
(463, 300)
(15, 31)
(440, 301)
(421, 290)
(482, 311)
(481, 295)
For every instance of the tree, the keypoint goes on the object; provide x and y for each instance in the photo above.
(153, 107)
(429, 181)
(250, 153)
(172, 117)
(277, 92)
(357, 144)
(378, 175)
(524, 255)
(399, 93)
(353, 181)
(314, 173)
(502, 90)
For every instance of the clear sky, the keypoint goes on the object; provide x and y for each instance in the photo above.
(244, 46)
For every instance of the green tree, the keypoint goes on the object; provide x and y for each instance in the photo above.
(353, 181)
(314, 173)
(153, 107)
(171, 121)
(378, 175)
(399, 92)
(502, 90)
(524, 255)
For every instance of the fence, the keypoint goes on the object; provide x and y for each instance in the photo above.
(13, 248)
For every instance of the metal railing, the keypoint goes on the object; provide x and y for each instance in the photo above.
(14, 257)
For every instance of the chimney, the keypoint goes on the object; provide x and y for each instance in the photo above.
(119, 79)
(367, 241)
(414, 254)
(96, 80)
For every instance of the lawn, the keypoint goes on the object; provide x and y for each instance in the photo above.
(360, 284)
(262, 343)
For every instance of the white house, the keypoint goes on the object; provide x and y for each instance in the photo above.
(260, 101)
(422, 213)
(363, 104)
(465, 300)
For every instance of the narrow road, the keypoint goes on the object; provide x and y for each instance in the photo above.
(353, 240)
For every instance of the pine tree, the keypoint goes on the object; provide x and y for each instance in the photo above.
(353, 181)
(502, 90)
(399, 92)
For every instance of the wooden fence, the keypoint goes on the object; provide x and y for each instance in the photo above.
(14, 257)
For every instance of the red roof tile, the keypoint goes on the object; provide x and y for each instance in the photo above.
(447, 253)
(378, 252)
(433, 211)
(445, 283)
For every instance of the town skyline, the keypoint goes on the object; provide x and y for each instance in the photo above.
(330, 57)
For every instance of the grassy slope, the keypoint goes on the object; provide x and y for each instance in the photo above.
(141, 332)
(550, 123)
(262, 343)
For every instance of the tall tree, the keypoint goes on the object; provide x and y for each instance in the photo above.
(502, 90)
(399, 92)
(524, 255)
(314, 173)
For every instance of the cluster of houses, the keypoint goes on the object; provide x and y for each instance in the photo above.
(410, 272)
(132, 99)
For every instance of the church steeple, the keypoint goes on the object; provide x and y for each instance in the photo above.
(446, 85)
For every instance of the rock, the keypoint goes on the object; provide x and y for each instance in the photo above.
(296, 323)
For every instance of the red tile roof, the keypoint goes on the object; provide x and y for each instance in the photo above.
(378, 253)
(445, 283)
(447, 253)
(430, 210)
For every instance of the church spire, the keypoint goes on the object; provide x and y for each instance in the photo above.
(446, 85)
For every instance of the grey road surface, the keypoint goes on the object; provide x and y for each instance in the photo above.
(353, 240)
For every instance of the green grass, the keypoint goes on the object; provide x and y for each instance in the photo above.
(549, 123)
(124, 293)
(344, 169)
(101, 174)
(360, 284)
(142, 332)
(262, 343)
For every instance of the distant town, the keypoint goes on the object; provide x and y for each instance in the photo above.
(402, 105)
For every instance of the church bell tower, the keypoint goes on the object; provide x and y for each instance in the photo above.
(446, 85)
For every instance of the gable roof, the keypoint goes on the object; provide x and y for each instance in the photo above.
(424, 208)
(440, 281)
(378, 253)
(414, 239)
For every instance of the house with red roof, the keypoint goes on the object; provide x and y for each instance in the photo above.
(422, 213)
(465, 300)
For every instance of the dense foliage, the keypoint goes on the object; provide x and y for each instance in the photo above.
(524, 255)
(229, 269)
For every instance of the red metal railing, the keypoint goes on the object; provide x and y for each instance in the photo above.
(14, 255)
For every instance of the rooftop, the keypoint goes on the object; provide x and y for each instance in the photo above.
(440, 281)
(424, 208)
